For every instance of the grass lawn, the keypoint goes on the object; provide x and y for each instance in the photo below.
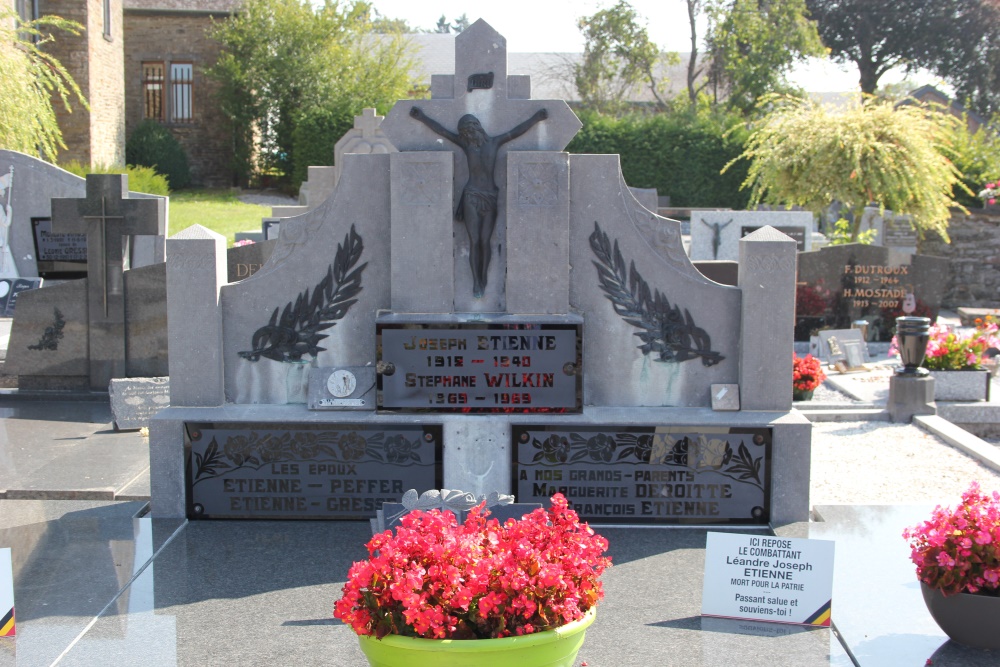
(220, 210)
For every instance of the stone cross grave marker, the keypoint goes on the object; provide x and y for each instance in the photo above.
(481, 96)
(109, 219)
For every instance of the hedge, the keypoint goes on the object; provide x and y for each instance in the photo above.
(679, 154)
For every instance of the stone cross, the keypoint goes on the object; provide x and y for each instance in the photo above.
(480, 87)
(109, 219)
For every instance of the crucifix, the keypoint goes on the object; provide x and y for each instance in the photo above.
(109, 218)
(480, 99)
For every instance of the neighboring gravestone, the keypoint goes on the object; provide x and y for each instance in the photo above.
(135, 400)
(245, 260)
(838, 285)
(895, 232)
(594, 358)
(109, 218)
(11, 288)
(145, 339)
(34, 183)
(715, 235)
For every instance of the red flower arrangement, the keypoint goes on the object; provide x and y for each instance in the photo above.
(958, 551)
(807, 372)
(438, 579)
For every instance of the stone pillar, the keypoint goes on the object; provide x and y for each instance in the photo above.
(537, 232)
(767, 279)
(423, 278)
(196, 270)
(909, 396)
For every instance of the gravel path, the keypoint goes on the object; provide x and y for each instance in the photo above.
(875, 463)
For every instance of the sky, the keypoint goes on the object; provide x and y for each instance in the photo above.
(549, 26)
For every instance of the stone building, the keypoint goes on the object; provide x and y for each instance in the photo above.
(136, 60)
(95, 60)
(167, 48)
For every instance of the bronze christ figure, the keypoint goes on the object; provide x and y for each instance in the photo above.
(477, 207)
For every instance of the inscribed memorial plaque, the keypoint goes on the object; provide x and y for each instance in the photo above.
(647, 474)
(306, 471)
(62, 256)
(838, 285)
(479, 367)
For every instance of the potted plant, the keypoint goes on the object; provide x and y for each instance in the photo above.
(807, 374)
(957, 554)
(440, 593)
(949, 350)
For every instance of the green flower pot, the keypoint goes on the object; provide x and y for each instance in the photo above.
(802, 395)
(552, 648)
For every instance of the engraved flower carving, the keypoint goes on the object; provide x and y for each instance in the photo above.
(601, 447)
(556, 449)
(352, 446)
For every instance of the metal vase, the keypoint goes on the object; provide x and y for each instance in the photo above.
(912, 334)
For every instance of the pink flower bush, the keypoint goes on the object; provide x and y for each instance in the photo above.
(437, 579)
(958, 551)
(948, 350)
(990, 192)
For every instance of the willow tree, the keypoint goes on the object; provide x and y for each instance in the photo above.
(31, 81)
(805, 154)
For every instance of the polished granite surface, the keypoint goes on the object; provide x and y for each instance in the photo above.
(97, 582)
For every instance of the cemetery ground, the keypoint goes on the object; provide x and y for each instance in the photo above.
(98, 582)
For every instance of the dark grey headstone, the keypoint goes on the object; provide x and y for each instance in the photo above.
(840, 284)
(48, 338)
(135, 400)
(109, 218)
(146, 321)
(245, 260)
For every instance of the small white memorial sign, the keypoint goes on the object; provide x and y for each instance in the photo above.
(6, 594)
(763, 578)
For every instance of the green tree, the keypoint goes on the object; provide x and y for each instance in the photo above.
(802, 153)
(284, 58)
(30, 81)
(947, 36)
(618, 58)
(754, 44)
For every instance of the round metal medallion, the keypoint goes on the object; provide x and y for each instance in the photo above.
(341, 383)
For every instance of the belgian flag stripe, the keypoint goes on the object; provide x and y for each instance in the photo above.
(7, 624)
(821, 616)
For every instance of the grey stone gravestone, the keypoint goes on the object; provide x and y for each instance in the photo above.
(838, 285)
(596, 344)
(110, 219)
(715, 235)
(35, 183)
(135, 400)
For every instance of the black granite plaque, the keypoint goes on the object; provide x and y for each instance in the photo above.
(647, 474)
(306, 471)
(840, 284)
(795, 232)
(61, 256)
(9, 290)
(479, 367)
